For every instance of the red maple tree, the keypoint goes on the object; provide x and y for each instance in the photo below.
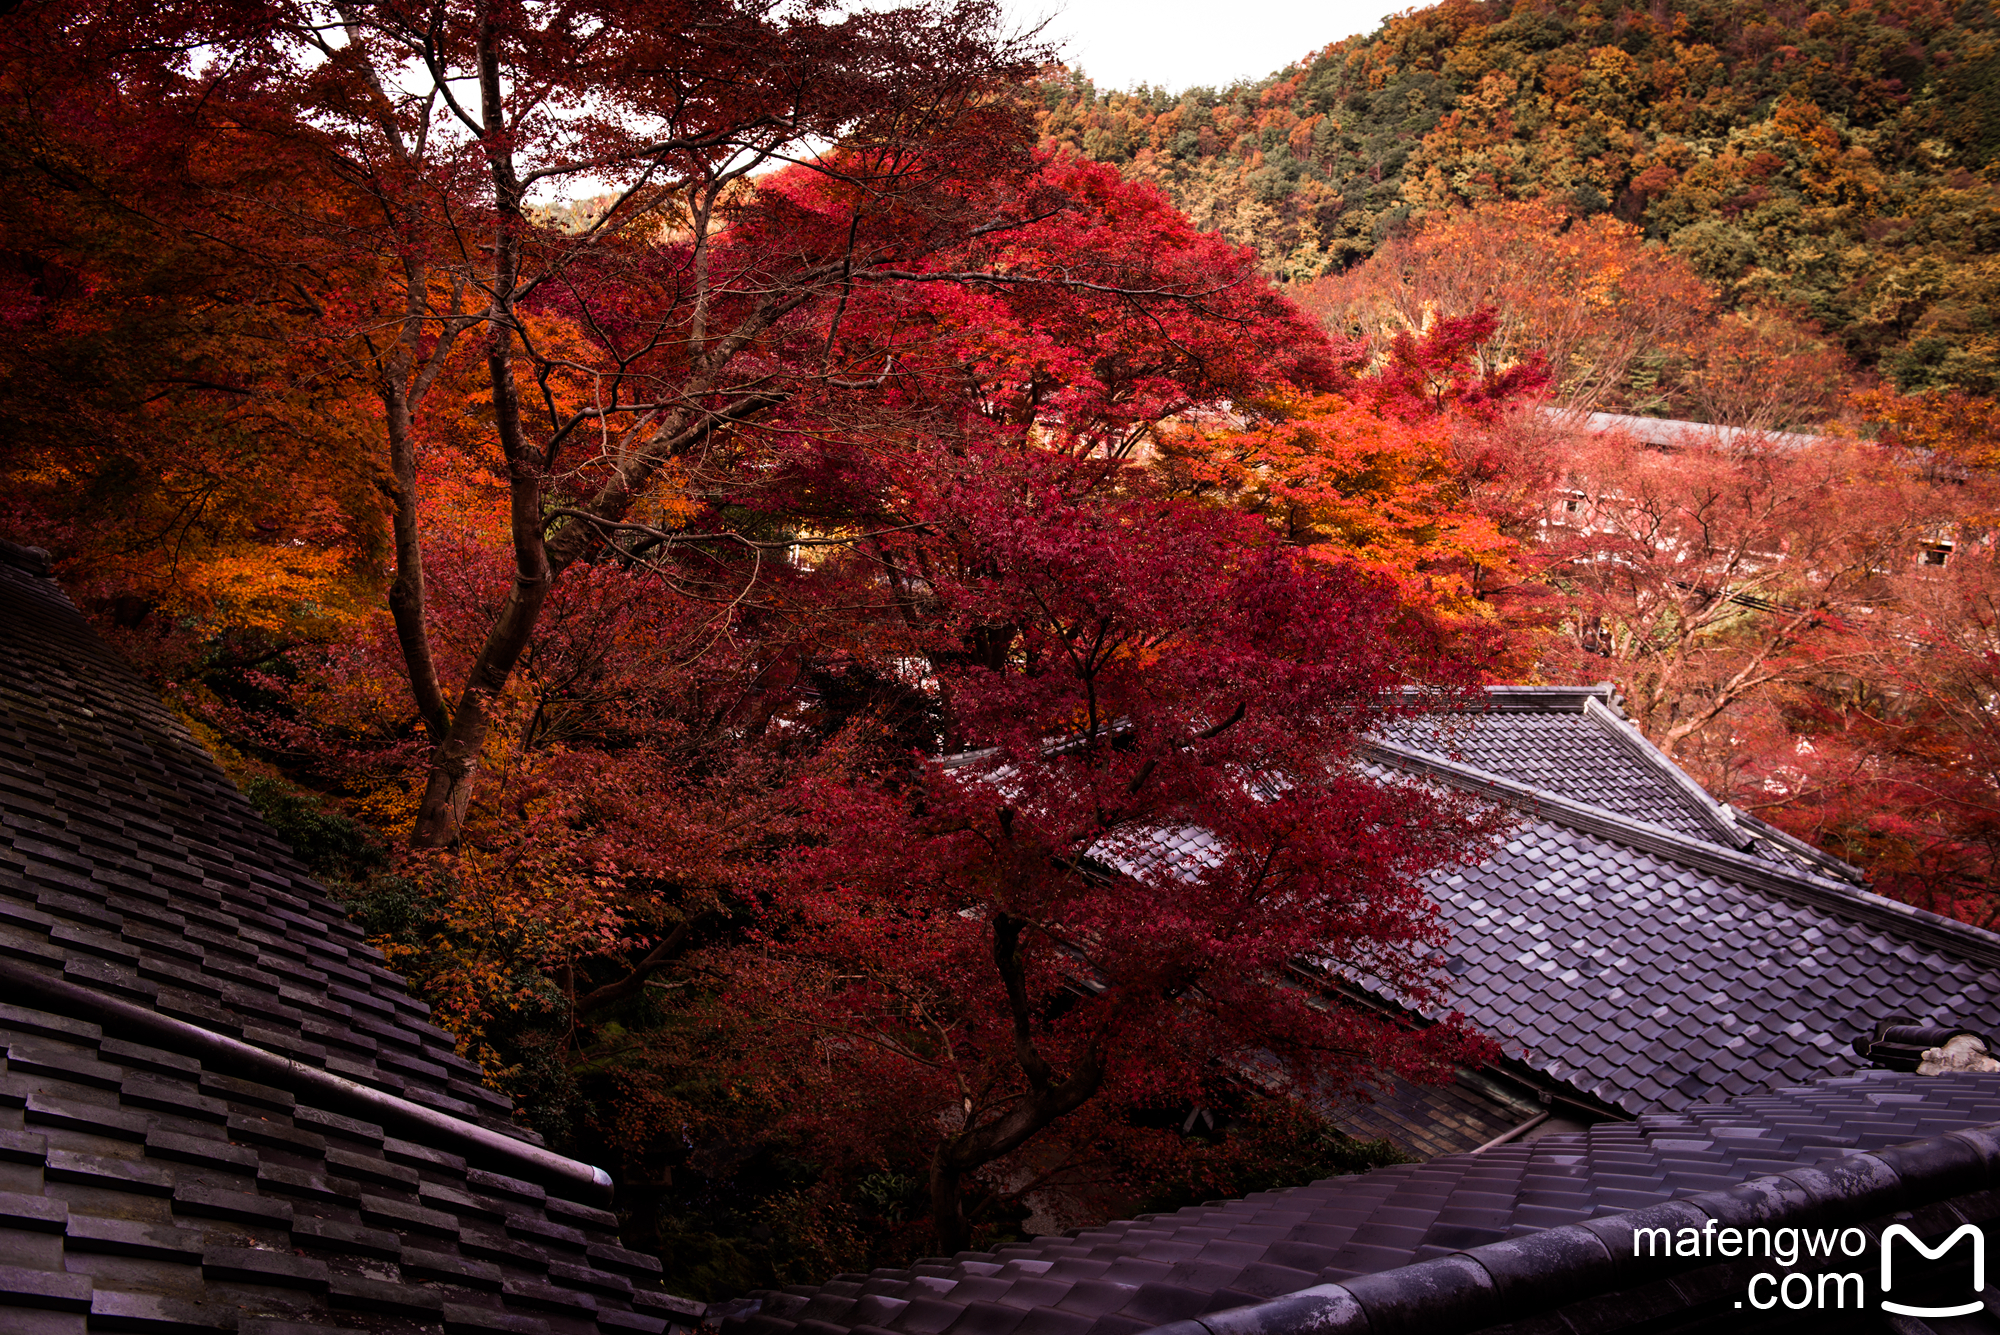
(1107, 905)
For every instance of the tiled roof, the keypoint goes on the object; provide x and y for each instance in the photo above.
(144, 1188)
(1569, 753)
(1576, 744)
(1673, 434)
(1136, 1274)
(1649, 947)
(1427, 1120)
(1649, 984)
(218, 1111)
(131, 863)
(1630, 939)
(1633, 941)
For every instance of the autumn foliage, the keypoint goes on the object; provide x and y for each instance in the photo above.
(1794, 606)
(1834, 163)
(1085, 916)
(1622, 324)
(596, 590)
(826, 631)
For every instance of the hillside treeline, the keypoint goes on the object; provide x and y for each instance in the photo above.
(1835, 161)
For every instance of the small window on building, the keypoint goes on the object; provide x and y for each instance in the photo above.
(1573, 506)
(1937, 553)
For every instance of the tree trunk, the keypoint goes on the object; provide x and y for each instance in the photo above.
(979, 1143)
(954, 1233)
(455, 764)
(402, 385)
(406, 594)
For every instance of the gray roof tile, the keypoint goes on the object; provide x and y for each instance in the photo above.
(130, 867)
(1633, 992)
(1633, 938)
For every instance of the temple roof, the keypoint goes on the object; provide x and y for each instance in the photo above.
(219, 1110)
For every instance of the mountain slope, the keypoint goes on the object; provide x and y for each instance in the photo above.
(1840, 162)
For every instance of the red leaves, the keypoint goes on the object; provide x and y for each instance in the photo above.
(1157, 829)
(711, 511)
(1439, 371)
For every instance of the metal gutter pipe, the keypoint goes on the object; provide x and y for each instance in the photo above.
(1517, 1132)
(481, 1147)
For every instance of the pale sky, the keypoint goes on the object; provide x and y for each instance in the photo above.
(1178, 44)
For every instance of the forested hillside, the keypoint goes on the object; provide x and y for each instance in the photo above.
(1836, 161)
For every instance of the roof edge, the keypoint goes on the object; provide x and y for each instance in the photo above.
(1740, 828)
(1765, 830)
(1836, 897)
(1490, 1079)
(1627, 737)
(568, 1178)
(35, 560)
(1525, 699)
(1518, 1277)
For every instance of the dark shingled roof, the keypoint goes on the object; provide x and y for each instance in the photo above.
(1633, 944)
(1213, 1261)
(1429, 1120)
(132, 864)
(1648, 947)
(218, 1110)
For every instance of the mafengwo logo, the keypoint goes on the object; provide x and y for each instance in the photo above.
(1937, 1273)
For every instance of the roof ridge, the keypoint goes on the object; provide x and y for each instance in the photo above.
(1836, 897)
(34, 560)
(1475, 1287)
(1624, 734)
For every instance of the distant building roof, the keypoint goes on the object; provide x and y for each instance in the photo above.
(1668, 433)
(1650, 947)
(219, 1111)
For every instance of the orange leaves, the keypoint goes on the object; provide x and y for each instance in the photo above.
(1756, 368)
(268, 530)
(1949, 424)
(1408, 472)
(1717, 574)
(274, 589)
(1800, 120)
(1300, 138)
(1623, 323)
(1588, 294)
(1350, 483)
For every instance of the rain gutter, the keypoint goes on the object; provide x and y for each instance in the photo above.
(480, 1146)
(1515, 1133)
